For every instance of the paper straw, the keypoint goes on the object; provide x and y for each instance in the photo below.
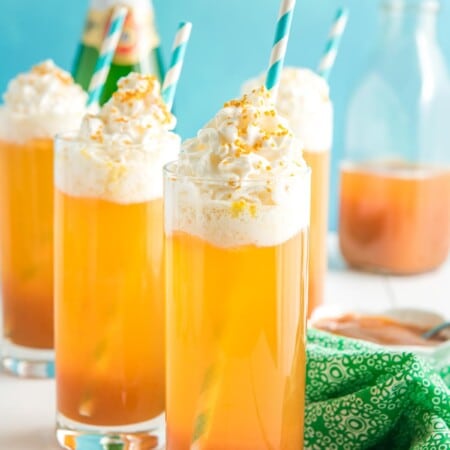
(176, 63)
(280, 45)
(334, 41)
(107, 51)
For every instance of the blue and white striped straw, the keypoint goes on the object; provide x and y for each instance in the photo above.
(176, 63)
(280, 45)
(106, 55)
(334, 41)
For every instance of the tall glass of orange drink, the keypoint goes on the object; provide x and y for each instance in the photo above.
(109, 270)
(37, 105)
(304, 101)
(236, 224)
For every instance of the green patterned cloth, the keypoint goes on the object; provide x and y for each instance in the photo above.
(362, 396)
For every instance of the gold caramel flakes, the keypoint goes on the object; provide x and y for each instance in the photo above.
(252, 117)
(241, 206)
(49, 68)
(146, 89)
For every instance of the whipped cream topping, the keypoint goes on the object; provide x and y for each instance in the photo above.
(119, 153)
(304, 100)
(256, 176)
(45, 89)
(247, 140)
(133, 115)
(41, 103)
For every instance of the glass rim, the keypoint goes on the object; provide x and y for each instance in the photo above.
(72, 137)
(401, 5)
(170, 173)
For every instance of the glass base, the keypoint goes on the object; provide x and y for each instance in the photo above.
(148, 435)
(27, 362)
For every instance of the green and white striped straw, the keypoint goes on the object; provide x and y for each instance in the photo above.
(334, 41)
(280, 45)
(106, 55)
(176, 63)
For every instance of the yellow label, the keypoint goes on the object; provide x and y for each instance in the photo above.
(138, 38)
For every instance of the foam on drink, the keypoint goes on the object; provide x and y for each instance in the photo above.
(40, 103)
(123, 148)
(255, 165)
(303, 99)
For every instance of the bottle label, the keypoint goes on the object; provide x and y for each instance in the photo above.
(139, 36)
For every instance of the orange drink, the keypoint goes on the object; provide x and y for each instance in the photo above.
(37, 105)
(236, 274)
(110, 311)
(109, 280)
(319, 162)
(232, 316)
(394, 218)
(303, 100)
(26, 242)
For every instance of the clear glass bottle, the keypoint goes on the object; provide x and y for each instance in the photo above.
(395, 178)
(138, 49)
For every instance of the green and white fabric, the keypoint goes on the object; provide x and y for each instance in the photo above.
(362, 396)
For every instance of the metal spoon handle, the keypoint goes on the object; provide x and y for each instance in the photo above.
(429, 334)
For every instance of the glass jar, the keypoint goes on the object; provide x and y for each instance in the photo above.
(395, 178)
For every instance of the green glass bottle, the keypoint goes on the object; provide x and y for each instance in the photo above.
(137, 51)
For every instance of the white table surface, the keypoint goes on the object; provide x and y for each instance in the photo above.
(27, 407)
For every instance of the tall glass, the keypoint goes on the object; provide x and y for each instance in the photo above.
(312, 122)
(236, 312)
(319, 161)
(109, 298)
(26, 239)
(303, 99)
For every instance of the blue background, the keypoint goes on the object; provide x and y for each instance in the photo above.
(231, 42)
